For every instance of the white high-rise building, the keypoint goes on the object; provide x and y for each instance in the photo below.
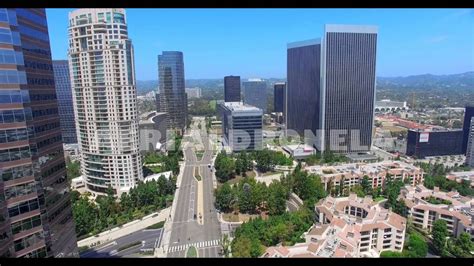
(101, 64)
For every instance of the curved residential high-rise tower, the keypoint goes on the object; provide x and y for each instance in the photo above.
(102, 69)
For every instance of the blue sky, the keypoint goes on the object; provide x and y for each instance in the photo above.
(252, 42)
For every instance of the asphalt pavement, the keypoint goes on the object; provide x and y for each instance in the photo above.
(185, 230)
(148, 239)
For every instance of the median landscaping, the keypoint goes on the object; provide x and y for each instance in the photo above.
(196, 173)
(192, 252)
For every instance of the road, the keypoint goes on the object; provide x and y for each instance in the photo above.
(148, 238)
(185, 230)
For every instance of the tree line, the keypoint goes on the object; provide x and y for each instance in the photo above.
(227, 167)
(252, 237)
(92, 218)
(435, 176)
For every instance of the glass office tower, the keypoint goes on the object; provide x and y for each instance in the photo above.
(35, 208)
(65, 104)
(173, 99)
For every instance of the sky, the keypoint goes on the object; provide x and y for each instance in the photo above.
(252, 42)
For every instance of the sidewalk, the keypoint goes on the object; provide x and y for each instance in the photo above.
(161, 251)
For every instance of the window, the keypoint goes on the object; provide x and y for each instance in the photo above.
(28, 241)
(20, 190)
(26, 224)
(16, 172)
(23, 207)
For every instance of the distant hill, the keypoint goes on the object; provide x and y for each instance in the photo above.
(429, 81)
(461, 82)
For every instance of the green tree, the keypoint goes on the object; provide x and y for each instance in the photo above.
(462, 246)
(225, 167)
(73, 169)
(439, 234)
(85, 215)
(241, 247)
(224, 197)
(277, 196)
(417, 246)
(264, 160)
(366, 185)
(391, 254)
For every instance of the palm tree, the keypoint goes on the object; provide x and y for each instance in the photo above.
(225, 244)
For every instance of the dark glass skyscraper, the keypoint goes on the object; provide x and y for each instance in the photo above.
(348, 87)
(255, 93)
(468, 115)
(279, 97)
(65, 103)
(172, 94)
(303, 87)
(232, 89)
(35, 208)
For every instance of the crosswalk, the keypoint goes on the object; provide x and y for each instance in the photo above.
(202, 244)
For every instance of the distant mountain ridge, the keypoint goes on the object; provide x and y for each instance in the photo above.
(425, 81)
(460, 81)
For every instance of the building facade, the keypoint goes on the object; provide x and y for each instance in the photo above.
(345, 176)
(348, 227)
(468, 115)
(35, 208)
(279, 97)
(242, 126)
(425, 206)
(193, 92)
(101, 63)
(424, 143)
(232, 89)
(348, 87)
(303, 88)
(255, 93)
(470, 145)
(173, 99)
(66, 106)
(389, 106)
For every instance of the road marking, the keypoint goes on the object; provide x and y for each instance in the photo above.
(201, 244)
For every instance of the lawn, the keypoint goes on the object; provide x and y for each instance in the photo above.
(239, 217)
(199, 155)
(157, 225)
(192, 252)
(377, 199)
(237, 178)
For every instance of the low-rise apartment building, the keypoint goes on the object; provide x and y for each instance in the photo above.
(425, 206)
(352, 174)
(348, 227)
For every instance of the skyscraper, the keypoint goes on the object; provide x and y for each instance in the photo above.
(102, 67)
(279, 97)
(468, 115)
(303, 88)
(35, 210)
(232, 89)
(173, 98)
(348, 87)
(255, 93)
(65, 103)
(470, 145)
